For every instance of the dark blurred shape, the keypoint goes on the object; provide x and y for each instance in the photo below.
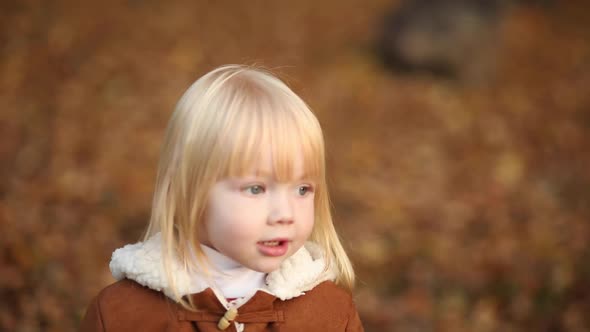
(446, 38)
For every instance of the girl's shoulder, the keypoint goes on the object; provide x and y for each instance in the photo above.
(126, 305)
(129, 291)
(327, 293)
(326, 307)
(330, 289)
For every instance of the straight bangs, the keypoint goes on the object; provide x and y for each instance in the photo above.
(270, 117)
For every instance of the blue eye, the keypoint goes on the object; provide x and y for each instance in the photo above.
(255, 189)
(304, 190)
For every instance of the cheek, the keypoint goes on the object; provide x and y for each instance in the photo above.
(223, 221)
(306, 215)
(236, 219)
(238, 235)
(218, 220)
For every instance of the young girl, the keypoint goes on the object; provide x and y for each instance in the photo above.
(240, 237)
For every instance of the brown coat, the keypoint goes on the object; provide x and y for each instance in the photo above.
(128, 306)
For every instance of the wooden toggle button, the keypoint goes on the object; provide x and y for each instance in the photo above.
(227, 318)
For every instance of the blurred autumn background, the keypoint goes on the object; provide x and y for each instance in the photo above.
(458, 140)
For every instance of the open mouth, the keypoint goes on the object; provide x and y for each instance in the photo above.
(277, 247)
(271, 243)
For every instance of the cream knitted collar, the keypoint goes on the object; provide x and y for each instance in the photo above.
(142, 262)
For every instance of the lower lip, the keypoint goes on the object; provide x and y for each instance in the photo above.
(274, 251)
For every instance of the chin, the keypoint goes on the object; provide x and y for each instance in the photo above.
(267, 268)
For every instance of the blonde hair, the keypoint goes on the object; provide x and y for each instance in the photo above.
(215, 132)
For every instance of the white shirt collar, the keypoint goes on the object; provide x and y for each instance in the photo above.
(229, 277)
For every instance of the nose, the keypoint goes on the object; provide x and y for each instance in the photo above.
(281, 209)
